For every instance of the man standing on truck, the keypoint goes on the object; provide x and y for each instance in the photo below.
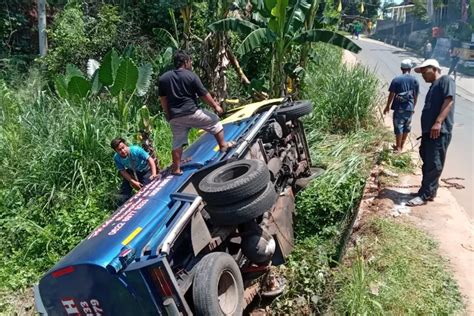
(404, 90)
(179, 89)
(135, 165)
(437, 120)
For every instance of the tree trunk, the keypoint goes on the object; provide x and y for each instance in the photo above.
(236, 65)
(214, 61)
(43, 41)
(309, 23)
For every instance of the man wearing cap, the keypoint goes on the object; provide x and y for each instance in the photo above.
(437, 120)
(404, 90)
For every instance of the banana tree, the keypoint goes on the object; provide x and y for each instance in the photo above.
(117, 74)
(124, 79)
(280, 25)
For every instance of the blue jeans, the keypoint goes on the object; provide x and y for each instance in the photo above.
(402, 121)
(126, 190)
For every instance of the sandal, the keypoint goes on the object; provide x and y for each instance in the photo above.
(416, 201)
(177, 173)
(430, 199)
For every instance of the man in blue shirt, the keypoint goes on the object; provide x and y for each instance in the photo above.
(404, 90)
(135, 166)
(437, 120)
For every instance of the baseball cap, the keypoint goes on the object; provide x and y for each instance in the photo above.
(407, 64)
(427, 63)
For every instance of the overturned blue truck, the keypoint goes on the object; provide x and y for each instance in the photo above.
(201, 243)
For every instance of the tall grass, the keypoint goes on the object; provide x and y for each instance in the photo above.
(58, 180)
(396, 271)
(345, 98)
(330, 198)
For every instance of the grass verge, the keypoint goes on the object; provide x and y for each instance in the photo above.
(395, 270)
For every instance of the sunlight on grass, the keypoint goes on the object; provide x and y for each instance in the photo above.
(395, 269)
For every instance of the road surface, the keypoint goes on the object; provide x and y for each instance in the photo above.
(385, 60)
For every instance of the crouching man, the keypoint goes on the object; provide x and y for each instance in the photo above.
(135, 165)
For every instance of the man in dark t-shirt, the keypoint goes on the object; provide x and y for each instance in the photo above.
(437, 120)
(179, 91)
(404, 90)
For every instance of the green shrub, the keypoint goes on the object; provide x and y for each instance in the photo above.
(306, 271)
(401, 162)
(104, 30)
(343, 141)
(68, 39)
(74, 37)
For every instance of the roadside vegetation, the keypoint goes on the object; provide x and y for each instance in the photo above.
(343, 133)
(58, 115)
(394, 269)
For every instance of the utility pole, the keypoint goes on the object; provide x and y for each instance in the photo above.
(43, 40)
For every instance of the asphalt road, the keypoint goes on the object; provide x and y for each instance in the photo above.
(385, 60)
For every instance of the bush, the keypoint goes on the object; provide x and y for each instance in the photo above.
(75, 37)
(68, 39)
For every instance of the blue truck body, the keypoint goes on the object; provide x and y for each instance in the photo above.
(90, 279)
(142, 259)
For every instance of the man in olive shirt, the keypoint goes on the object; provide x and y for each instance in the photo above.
(437, 120)
(179, 90)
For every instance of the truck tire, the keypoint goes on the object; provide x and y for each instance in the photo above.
(296, 109)
(234, 181)
(217, 286)
(245, 210)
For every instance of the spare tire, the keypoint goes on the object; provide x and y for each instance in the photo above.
(235, 181)
(217, 286)
(245, 210)
(296, 109)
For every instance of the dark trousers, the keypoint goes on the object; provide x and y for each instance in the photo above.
(454, 63)
(433, 155)
(126, 190)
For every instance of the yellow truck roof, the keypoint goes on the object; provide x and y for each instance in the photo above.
(248, 110)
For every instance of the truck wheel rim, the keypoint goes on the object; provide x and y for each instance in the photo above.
(227, 293)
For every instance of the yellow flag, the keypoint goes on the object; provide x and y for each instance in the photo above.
(361, 7)
(339, 7)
